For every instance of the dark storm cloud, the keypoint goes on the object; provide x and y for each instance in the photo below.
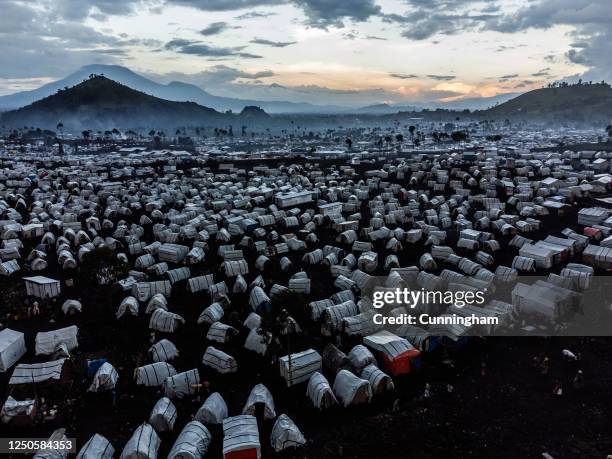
(198, 48)
(274, 44)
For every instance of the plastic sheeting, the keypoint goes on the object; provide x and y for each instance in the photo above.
(240, 434)
(285, 434)
(13, 408)
(143, 444)
(351, 390)
(182, 384)
(319, 392)
(163, 351)
(48, 343)
(260, 394)
(154, 374)
(192, 442)
(105, 378)
(163, 415)
(219, 360)
(97, 447)
(213, 410)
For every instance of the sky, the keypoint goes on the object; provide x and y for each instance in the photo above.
(318, 51)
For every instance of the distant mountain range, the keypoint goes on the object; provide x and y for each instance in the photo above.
(99, 103)
(184, 92)
(174, 91)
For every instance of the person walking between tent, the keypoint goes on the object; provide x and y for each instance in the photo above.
(557, 388)
(427, 391)
(578, 380)
(545, 366)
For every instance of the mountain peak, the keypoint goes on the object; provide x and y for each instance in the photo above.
(99, 102)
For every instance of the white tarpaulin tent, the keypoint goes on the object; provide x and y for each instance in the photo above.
(298, 367)
(319, 392)
(241, 437)
(182, 384)
(105, 378)
(192, 442)
(37, 372)
(42, 287)
(285, 434)
(213, 410)
(12, 348)
(163, 351)
(153, 374)
(163, 415)
(143, 444)
(219, 360)
(351, 390)
(97, 447)
(48, 343)
(260, 394)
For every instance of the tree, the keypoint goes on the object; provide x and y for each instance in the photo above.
(459, 136)
(399, 138)
(609, 131)
(411, 130)
(349, 143)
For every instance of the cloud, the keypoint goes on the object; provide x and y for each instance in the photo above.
(542, 72)
(225, 5)
(442, 77)
(333, 13)
(426, 18)
(198, 48)
(403, 76)
(319, 13)
(37, 41)
(255, 15)
(355, 35)
(524, 84)
(505, 78)
(216, 28)
(592, 29)
(275, 44)
(215, 77)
